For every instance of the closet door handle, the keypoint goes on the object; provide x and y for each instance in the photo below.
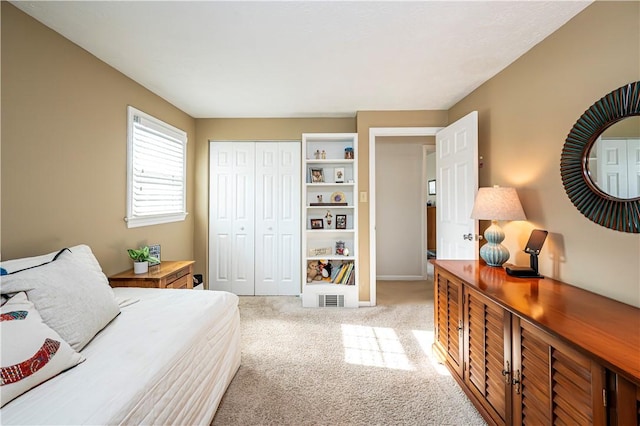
(506, 372)
(516, 382)
(242, 228)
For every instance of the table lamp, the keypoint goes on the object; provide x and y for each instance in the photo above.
(496, 204)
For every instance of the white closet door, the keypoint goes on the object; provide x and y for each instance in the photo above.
(277, 218)
(289, 219)
(266, 219)
(231, 217)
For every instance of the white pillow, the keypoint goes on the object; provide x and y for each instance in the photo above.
(30, 351)
(71, 294)
(14, 265)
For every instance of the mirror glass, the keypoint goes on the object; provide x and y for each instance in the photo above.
(613, 163)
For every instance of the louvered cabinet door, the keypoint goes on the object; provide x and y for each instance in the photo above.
(624, 402)
(487, 354)
(448, 325)
(553, 383)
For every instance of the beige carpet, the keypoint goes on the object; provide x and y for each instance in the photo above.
(404, 292)
(336, 366)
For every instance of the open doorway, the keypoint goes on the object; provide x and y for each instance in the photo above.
(390, 218)
(430, 209)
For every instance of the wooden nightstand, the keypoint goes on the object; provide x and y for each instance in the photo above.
(168, 274)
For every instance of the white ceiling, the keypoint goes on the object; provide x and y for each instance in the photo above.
(306, 58)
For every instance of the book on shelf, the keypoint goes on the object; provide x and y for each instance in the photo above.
(348, 275)
(352, 278)
(334, 273)
(340, 274)
(344, 274)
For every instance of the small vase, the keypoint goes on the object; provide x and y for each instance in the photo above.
(140, 267)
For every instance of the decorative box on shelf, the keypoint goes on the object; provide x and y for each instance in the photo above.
(320, 251)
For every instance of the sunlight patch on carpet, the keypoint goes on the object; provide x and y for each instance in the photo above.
(374, 346)
(425, 340)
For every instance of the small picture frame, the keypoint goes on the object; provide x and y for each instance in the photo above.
(338, 175)
(317, 175)
(317, 224)
(432, 187)
(154, 251)
(341, 221)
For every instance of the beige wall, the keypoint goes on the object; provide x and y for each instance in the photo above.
(64, 145)
(245, 129)
(525, 114)
(400, 211)
(365, 121)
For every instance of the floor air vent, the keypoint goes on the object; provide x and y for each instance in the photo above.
(331, 300)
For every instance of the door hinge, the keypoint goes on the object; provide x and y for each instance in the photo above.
(604, 397)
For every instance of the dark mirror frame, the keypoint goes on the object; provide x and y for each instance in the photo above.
(604, 209)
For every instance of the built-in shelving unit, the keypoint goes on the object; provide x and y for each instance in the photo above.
(329, 217)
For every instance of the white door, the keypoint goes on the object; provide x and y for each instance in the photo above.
(457, 185)
(277, 218)
(619, 167)
(612, 167)
(633, 158)
(231, 217)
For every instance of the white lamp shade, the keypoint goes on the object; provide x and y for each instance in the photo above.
(497, 203)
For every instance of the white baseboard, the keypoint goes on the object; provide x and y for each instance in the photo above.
(400, 278)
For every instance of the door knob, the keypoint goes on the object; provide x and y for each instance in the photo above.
(242, 228)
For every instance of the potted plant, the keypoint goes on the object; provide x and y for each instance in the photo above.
(141, 258)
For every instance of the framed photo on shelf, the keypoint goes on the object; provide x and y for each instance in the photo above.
(338, 175)
(317, 224)
(154, 251)
(341, 221)
(317, 175)
(432, 187)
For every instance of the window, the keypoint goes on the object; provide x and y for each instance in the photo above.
(156, 171)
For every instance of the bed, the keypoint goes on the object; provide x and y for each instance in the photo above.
(166, 358)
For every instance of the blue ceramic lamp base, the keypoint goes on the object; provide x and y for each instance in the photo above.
(494, 253)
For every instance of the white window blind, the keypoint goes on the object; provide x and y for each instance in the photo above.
(156, 171)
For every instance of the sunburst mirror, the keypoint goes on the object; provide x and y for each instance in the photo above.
(600, 163)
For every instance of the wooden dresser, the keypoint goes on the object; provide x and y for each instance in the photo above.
(536, 351)
(169, 274)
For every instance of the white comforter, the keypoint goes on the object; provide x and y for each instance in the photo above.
(166, 359)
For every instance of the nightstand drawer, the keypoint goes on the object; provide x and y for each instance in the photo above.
(176, 276)
(182, 282)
